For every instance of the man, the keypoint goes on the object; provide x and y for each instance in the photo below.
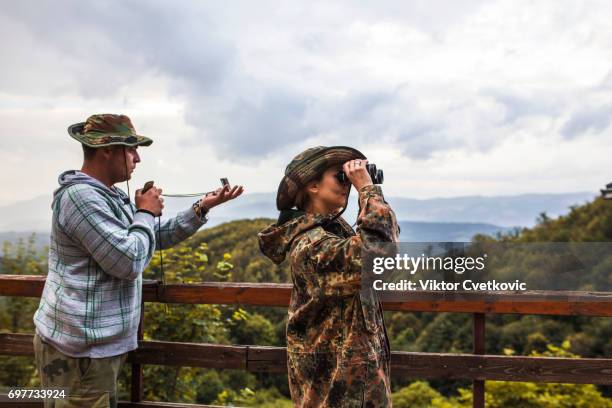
(100, 244)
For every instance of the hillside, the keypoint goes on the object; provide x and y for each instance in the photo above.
(591, 222)
(229, 252)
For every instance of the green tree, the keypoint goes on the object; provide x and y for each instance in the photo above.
(16, 313)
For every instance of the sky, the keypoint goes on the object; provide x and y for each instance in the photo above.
(448, 98)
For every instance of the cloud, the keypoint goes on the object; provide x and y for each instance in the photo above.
(594, 119)
(229, 99)
(111, 44)
(519, 106)
(252, 82)
(251, 126)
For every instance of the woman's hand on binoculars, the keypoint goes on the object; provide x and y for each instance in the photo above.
(357, 173)
(220, 195)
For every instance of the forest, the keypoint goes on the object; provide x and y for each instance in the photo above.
(229, 252)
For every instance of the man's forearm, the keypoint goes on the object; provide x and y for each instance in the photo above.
(178, 228)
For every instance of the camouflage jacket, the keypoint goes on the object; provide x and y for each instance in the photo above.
(329, 311)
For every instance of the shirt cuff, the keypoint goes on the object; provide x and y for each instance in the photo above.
(190, 219)
(144, 217)
(145, 211)
(370, 190)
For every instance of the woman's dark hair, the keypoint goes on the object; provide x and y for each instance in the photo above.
(302, 198)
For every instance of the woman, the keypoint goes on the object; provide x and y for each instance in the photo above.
(337, 346)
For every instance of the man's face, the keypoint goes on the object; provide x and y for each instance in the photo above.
(122, 162)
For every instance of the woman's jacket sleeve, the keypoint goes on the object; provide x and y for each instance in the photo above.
(338, 261)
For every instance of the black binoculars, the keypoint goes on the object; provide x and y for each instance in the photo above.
(376, 175)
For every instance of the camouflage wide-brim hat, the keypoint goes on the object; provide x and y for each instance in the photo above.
(106, 130)
(306, 166)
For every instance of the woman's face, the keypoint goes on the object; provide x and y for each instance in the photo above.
(328, 194)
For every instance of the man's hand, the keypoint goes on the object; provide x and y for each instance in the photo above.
(356, 172)
(150, 201)
(220, 195)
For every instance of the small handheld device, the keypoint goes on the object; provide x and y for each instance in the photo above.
(224, 183)
(147, 186)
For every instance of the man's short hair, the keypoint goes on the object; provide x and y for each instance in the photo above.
(88, 152)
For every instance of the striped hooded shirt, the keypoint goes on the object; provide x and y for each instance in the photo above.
(100, 245)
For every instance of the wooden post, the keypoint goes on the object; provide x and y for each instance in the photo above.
(478, 386)
(137, 392)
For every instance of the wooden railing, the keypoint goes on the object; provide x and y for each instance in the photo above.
(477, 367)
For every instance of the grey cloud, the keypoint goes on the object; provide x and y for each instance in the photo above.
(115, 44)
(385, 116)
(596, 120)
(110, 45)
(607, 81)
(255, 127)
(429, 16)
(196, 45)
(556, 105)
(362, 106)
(252, 128)
(518, 106)
(423, 139)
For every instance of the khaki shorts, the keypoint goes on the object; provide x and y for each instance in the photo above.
(89, 382)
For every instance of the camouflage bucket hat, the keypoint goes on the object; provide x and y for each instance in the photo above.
(106, 130)
(306, 166)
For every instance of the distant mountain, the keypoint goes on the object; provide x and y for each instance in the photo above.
(28, 215)
(417, 231)
(505, 211)
(459, 215)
